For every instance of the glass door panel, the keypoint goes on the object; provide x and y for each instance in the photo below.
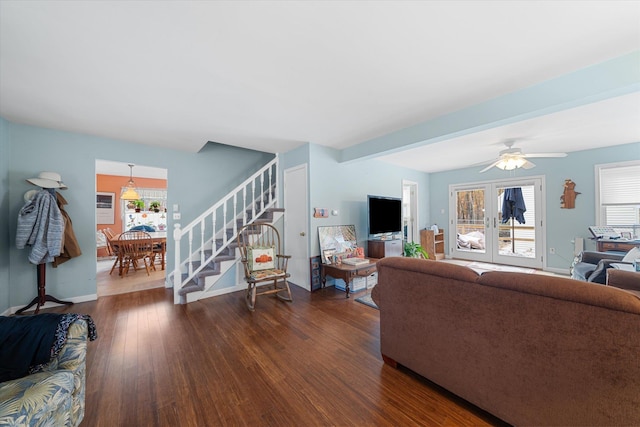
(518, 226)
(469, 237)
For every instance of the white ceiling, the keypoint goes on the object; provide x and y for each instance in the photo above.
(271, 76)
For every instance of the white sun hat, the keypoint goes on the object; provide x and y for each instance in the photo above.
(48, 180)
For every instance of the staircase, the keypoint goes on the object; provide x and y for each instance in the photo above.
(209, 241)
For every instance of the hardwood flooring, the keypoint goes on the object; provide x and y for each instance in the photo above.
(315, 362)
(135, 280)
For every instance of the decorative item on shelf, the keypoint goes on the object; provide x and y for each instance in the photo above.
(130, 192)
(568, 198)
(139, 205)
(155, 206)
(414, 250)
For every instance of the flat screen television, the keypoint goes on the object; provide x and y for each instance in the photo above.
(384, 214)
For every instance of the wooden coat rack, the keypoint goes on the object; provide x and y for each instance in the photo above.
(42, 294)
(49, 181)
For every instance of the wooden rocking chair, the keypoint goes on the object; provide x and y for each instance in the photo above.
(259, 246)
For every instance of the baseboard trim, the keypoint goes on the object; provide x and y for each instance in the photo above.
(49, 304)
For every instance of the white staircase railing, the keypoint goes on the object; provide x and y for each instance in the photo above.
(218, 226)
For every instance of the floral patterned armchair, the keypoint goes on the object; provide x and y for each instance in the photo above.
(54, 395)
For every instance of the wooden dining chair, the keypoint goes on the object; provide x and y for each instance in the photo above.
(113, 250)
(136, 246)
(259, 246)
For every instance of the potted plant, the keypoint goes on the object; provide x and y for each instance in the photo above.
(139, 204)
(414, 250)
(155, 206)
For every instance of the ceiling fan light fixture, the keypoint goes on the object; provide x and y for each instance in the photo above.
(130, 193)
(508, 163)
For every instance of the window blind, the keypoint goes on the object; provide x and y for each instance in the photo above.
(620, 185)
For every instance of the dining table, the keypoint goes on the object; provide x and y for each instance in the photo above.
(159, 238)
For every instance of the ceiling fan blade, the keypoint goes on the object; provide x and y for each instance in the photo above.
(539, 155)
(528, 165)
(490, 166)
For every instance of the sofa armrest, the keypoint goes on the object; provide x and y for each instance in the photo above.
(593, 257)
(599, 275)
(73, 355)
(629, 280)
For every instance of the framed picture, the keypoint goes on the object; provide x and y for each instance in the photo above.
(105, 208)
(327, 255)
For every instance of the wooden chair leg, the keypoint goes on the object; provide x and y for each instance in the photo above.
(287, 289)
(251, 296)
(146, 266)
(114, 265)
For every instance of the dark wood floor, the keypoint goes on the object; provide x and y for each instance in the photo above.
(213, 363)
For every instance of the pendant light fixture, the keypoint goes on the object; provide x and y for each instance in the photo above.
(130, 192)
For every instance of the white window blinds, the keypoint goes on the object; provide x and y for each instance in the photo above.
(620, 185)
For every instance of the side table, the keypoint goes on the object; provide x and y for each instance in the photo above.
(347, 272)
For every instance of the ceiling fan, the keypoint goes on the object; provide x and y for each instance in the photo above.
(513, 157)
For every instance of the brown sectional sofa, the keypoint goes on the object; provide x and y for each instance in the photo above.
(530, 349)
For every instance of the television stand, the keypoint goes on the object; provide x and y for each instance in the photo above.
(384, 248)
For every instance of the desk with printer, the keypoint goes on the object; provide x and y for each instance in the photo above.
(613, 252)
(607, 239)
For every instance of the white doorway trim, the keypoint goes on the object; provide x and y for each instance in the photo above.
(410, 187)
(296, 224)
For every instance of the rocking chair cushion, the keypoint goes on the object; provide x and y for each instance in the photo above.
(265, 274)
(261, 258)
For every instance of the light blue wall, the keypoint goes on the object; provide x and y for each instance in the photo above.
(4, 216)
(195, 181)
(562, 224)
(344, 187)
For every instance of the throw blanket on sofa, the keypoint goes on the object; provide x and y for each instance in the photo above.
(27, 343)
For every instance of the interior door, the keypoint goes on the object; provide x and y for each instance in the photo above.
(482, 230)
(296, 225)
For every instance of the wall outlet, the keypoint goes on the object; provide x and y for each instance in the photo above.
(552, 251)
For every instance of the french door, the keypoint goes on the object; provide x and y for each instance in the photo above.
(499, 222)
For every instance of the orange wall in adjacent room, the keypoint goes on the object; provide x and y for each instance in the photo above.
(114, 184)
